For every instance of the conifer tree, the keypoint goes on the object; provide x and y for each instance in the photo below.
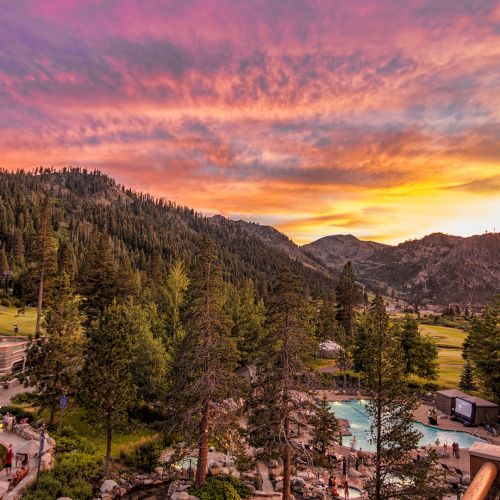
(18, 251)
(98, 277)
(391, 412)
(327, 322)
(483, 349)
(276, 408)
(174, 292)
(106, 387)
(66, 260)
(52, 360)
(467, 378)
(325, 426)
(348, 297)
(419, 352)
(44, 255)
(248, 316)
(202, 375)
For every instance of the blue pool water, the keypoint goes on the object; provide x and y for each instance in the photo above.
(354, 411)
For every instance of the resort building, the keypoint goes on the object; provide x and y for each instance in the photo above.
(12, 354)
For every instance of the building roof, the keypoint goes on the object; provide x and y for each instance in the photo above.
(455, 393)
(330, 345)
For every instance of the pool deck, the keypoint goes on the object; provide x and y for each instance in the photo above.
(445, 423)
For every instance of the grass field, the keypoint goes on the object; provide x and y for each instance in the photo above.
(9, 317)
(121, 441)
(449, 341)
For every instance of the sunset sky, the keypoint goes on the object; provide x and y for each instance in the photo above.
(376, 118)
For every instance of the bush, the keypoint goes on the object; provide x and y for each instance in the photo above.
(25, 398)
(48, 487)
(216, 489)
(241, 488)
(78, 465)
(67, 444)
(5, 302)
(17, 411)
(78, 489)
(145, 456)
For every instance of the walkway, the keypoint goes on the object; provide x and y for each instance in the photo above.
(14, 388)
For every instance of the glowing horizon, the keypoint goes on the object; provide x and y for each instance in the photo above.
(375, 118)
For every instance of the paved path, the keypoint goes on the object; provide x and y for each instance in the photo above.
(7, 394)
(267, 486)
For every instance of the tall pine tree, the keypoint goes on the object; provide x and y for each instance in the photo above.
(52, 360)
(44, 255)
(391, 409)
(348, 297)
(202, 374)
(276, 407)
(106, 387)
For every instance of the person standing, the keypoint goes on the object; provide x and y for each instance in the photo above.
(8, 457)
(346, 488)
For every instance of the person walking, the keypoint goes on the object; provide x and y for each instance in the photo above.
(453, 449)
(8, 458)
(346, 488)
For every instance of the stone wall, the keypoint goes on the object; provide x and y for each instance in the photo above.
(28, 433)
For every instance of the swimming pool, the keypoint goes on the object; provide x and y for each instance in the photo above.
(354, 411)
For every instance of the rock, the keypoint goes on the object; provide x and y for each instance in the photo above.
(225, 470)
(159, 471)
(273, 463)
(122, 481)
(215, 469)
(278, 486)
(180, 495)
(235, 473)
(306, 475)
(466, 480)
(172, 488)
(298, 484)
(108, 486)
(147, 482)
(453, 480)
(229, 463)
(354, 473)
(183, 487)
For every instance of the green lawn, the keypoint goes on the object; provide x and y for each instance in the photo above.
(449, 341)
(96, 435)
(9, 317)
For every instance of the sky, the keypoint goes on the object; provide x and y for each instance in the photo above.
(375, 118)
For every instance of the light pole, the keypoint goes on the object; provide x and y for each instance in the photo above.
(40, 452)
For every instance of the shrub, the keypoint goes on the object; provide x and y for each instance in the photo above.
(25, 398)
(78, 465)
(241, 488)
(78, 489)
(5, 302)
(67, 444)
(48, 487)
(17, 411)
(144, 456)
(216, 489)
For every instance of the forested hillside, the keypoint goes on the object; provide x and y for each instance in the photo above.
(146, 233)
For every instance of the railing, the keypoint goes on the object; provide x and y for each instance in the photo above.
(482, 483)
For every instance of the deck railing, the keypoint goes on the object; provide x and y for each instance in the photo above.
(482, 483)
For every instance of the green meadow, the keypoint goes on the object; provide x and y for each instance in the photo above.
(10, 316)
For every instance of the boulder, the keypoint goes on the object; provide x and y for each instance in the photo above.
(159, 471)
(466, 479)
(306, 475)
(278, 486)
(354, 473)
(180, 495)
(215, 469)
(298, 484)
(273, 463)
(235, 473)
(108, 486)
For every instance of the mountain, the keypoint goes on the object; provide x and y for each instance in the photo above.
(271, 237)
(438, 268)
(140, 227)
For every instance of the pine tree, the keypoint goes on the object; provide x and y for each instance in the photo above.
(202, 374)
(106, 386)
(483, 349)
(18, 251)
(248, 316)
(52, 360)
(327, 322)
(419, 352)
(348, 297)
(391, 412)
(275, 408)
(98, 277)
(66, 260)
(174, 293)
(44, 254)
(325, 426)
(467, 378)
